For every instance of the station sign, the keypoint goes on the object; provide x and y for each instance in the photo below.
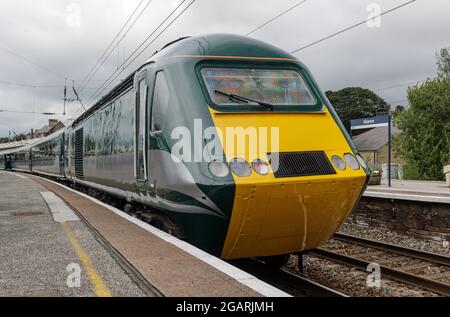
(369, 123)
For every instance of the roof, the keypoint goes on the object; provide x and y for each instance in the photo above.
(49, 128)
(222, 45)
(373, 140)
(44, 129)
(28, 144)
(17, 144)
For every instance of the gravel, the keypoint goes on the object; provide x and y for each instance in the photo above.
(385, 235)
(351, 281)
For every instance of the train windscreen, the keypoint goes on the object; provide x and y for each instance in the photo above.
(229, 86)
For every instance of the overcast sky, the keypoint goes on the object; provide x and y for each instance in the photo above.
(51, 34)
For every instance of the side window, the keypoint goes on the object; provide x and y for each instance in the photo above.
(161, 99)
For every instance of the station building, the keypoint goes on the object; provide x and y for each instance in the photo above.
(374, 148)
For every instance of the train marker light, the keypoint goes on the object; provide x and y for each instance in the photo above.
(352, 161)
(218, 169)
(339, 163)
(240, 167)
(261, 167)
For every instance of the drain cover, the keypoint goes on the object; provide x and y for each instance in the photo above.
(27, 213)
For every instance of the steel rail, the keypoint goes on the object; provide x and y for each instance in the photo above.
(314, 286)
(423, 255)
(401, 276)
(289, 282)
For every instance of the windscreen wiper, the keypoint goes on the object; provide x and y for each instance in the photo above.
(266, 105)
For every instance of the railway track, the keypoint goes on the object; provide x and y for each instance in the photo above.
(289, 282)
(418, 268)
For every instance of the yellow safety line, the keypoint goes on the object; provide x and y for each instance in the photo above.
(100, 289)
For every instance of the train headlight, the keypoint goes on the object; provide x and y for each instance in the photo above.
(361, 161)
(261, 167)
(352, 161)
(339, 163)
(218, 168)
(241, 167)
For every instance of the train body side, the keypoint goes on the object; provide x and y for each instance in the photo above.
(102, 147)
(47, 155)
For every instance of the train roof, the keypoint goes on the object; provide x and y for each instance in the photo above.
(34, 143)
(221, 45)
(214, 45)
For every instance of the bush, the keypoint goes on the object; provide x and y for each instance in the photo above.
(424, 143)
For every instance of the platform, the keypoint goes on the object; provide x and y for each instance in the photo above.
(423, 191)
(49, 230)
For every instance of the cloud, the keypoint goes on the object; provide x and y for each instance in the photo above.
(46, 33)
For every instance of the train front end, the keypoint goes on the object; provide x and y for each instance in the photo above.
(292, 197)
(296, 173)
(281, 175)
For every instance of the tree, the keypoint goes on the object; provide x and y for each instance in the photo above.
(443, 62)
(355, 103)
(424, 143)
(398, 110)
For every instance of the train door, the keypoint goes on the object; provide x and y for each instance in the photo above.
(141, 128)
(62, 161)
(66, 153)
(30, 160)
(8, 162)
(160, 100)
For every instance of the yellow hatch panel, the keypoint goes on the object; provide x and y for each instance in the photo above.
(278, 216)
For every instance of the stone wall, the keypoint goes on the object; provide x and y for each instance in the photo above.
(423, 220)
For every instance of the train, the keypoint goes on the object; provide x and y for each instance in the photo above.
(285, 196)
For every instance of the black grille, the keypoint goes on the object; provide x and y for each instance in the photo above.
(297, 164)
(79, 153)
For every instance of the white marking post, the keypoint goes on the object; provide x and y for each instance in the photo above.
(60, 211)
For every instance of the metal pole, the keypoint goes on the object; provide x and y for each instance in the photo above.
(389, 150)
(65, 96)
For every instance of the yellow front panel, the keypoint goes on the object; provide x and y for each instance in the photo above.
(278, 216)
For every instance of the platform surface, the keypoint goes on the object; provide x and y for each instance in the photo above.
(423, 191)
(37, 255)
(37, 249)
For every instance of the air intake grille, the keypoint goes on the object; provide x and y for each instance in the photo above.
(297, 164)
(79, 153)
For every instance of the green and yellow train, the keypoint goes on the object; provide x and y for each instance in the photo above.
(288, 194)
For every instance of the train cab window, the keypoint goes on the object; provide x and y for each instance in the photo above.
(277, 87)
(160, 105)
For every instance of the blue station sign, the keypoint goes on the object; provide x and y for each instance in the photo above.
(368, 123)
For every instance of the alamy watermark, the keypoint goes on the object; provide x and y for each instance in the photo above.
(374, 278)
(209, 144)
(74, 277)
(374, 18)
(73, 17)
